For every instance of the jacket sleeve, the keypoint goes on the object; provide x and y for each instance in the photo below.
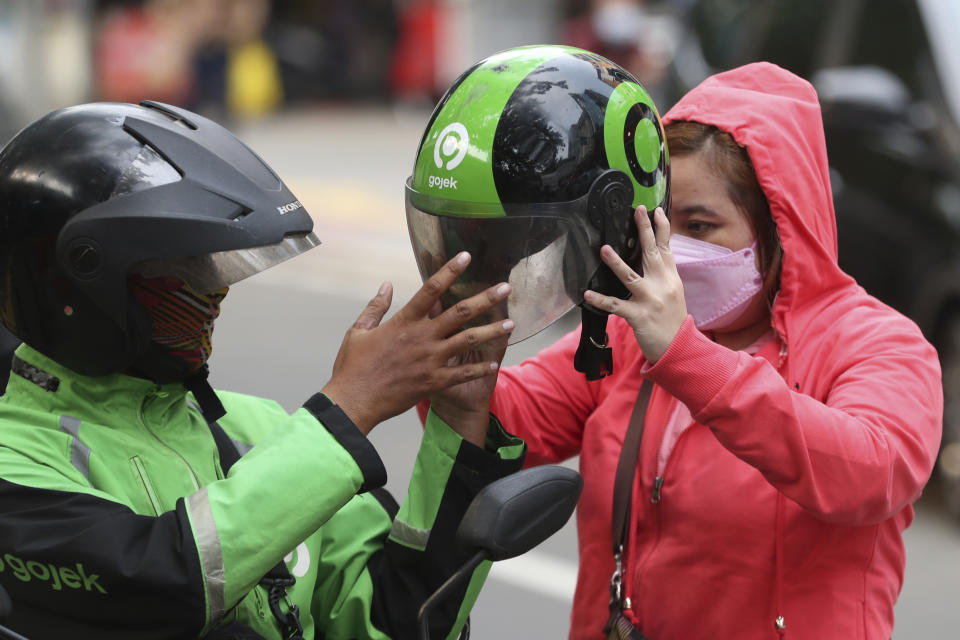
(101, 569)
(856, 456)
(373, 585)
(545, 401)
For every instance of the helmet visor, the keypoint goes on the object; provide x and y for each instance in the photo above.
(547, 260)
(214, 271)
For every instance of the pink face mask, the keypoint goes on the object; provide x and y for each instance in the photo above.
(718, 283)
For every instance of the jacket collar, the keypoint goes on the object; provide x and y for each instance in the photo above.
(40, 383)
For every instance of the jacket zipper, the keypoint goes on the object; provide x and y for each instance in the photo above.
(657, 484)
(656, 497)
(143, 422)
(141, 472)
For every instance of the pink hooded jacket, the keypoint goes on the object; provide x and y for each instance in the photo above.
(788, 495)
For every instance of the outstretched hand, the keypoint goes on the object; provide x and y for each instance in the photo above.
(384, 369)
(656, 308)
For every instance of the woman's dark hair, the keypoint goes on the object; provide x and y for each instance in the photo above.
(731, 162)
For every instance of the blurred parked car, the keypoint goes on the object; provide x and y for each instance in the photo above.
(888, 76)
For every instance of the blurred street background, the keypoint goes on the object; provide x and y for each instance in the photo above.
(335, 96)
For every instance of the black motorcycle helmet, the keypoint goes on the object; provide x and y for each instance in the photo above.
(535, 158)
(94, 193)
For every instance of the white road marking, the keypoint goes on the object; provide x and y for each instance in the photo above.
(545, 575)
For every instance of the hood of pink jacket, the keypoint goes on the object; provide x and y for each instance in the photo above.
(775, 115)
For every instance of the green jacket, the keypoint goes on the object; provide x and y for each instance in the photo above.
(116, 520)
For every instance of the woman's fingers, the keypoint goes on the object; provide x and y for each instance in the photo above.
(654, 244)
(662, 235)
(624, 272)
(650, 252)
(661, 229)
(656, 310)
(610, 304)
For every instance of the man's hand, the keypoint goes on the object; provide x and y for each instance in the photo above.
(466, 406)
(383, 370)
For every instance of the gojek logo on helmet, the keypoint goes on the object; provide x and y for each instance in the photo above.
(451, 146)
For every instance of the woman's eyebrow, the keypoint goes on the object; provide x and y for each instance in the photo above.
(695, 208)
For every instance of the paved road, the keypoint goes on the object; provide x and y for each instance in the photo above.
(280, 331)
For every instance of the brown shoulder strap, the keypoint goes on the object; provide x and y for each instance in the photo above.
(627, 466)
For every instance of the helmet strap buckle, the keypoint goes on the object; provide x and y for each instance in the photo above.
(594, 358)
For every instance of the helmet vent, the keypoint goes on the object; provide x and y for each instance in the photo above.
(242, 212)
(147, 170)
(171, 112)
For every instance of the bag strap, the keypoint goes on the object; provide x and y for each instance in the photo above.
(278, 578)
(623, 486)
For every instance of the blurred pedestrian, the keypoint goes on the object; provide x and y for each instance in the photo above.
(639, 35)
(144, 51)
(253, 84)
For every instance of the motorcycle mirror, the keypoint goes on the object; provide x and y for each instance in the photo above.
(507, 518)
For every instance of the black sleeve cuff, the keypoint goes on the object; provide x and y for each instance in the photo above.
(487, 464)
(346, 433)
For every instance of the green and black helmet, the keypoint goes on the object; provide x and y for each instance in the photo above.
(535, 158)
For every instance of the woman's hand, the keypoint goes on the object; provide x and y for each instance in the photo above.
(383, 370)
(656, 308)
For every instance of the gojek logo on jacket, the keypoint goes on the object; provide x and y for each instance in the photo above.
(300, 558)
(74, 577)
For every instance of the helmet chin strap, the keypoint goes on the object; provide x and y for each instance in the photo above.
(210, 405)
(610, 211)
(159, 365)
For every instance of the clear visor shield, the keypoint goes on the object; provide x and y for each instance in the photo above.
(547, 260)
(214, 271)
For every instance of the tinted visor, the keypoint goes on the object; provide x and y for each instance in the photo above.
(214, 271)
(546, 258)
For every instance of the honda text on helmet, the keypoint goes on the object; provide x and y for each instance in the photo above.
(100, 200)
(534, 159)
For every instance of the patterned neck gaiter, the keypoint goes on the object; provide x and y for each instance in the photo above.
(182, 319)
